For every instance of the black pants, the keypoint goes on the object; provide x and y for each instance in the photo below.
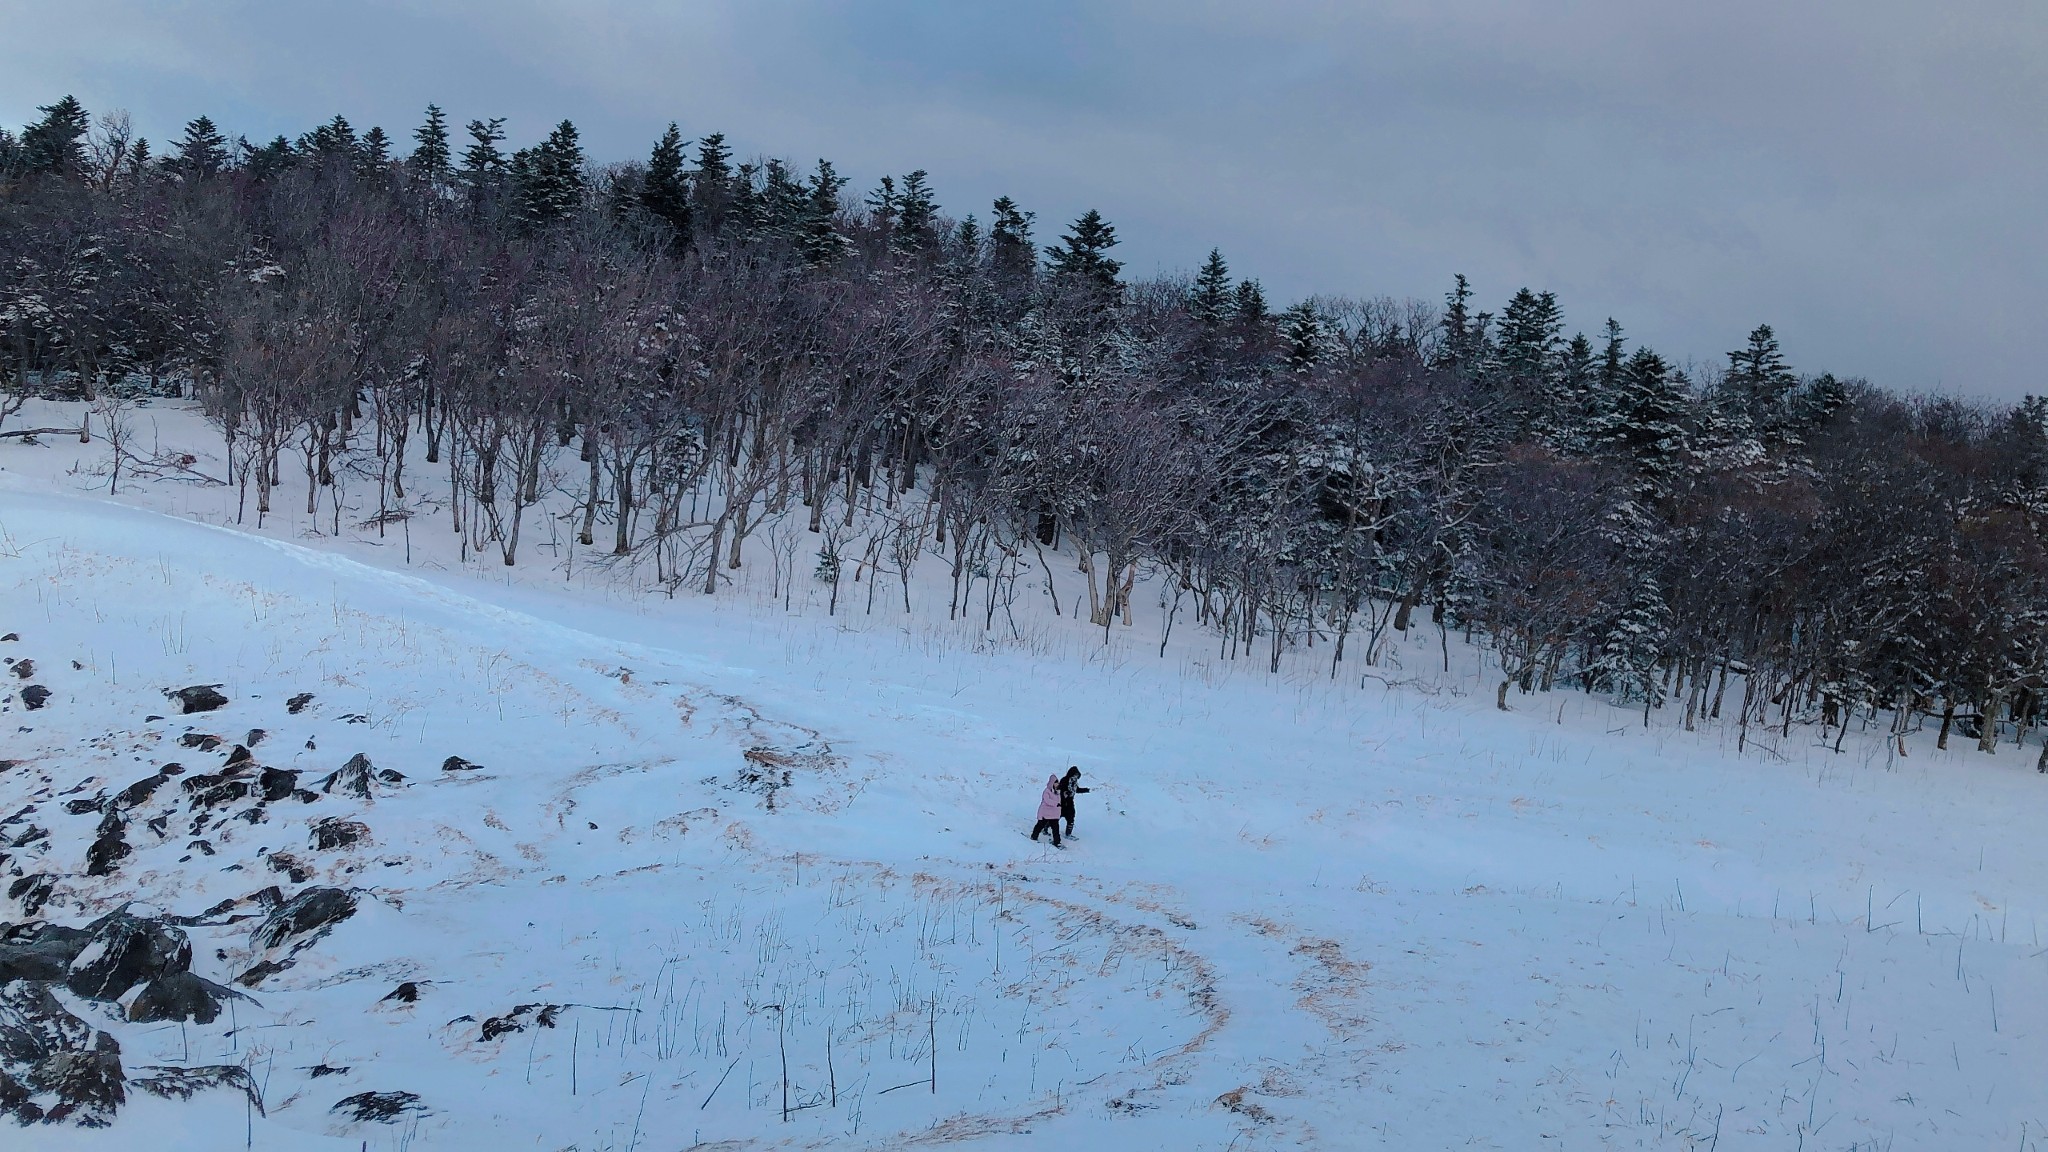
(1068, 812)
(1052, 826)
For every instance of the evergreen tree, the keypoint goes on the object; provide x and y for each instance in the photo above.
(917, 215)
(335, 139)
(819, 238)
(10, 153)
(431, 160)
(664, 192)
(265, 162)
(1459, 345)
(375, 153)
(881, 206)
(1251, 318)
(548, 178)
(1301, 330)
(785, 203)
(1209, 303)
(1644, 419)
(1010, 252)
(1531, 335)
(711, 191)
(55, 145)
(1756, 385)
(203, 152)
(482, 163)
(1082, 256)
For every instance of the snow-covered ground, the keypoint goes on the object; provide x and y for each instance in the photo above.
(733, 873)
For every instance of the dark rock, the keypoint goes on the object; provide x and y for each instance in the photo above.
(151, 718)
(352, 778)
(381, 1107)
(305, 795)
(544, 1015)
(33, 892)
(125, 950)
(159, 825)
(81, 807)
(109, 847)
(252, 815)
(197, 698)
(319, 1070)
(297, 704)
(335, 832)
(311, 914)
(354, 718)
(24, 668)
(180, 996)
(204, 741)
(291, 866)
(240, 755)
(140, 791)
(261, 971)
(205, 847)
(9, 765)
(212, 791)
(185, 1083)
(458, 764)
(277, 783)
(256, 736)
(39, 951)
(29, 837)
(406, 993)
(57, 1067)
(34, 696)
(11, 636)
(391, 776)
(173, 769)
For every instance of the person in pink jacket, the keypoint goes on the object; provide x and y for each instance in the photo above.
(1049, 811)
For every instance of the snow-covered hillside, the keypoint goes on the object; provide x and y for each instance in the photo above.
(630, 872)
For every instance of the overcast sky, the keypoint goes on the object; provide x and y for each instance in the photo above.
(1870, 177)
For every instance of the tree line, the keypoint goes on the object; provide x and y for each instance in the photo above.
(685, 350)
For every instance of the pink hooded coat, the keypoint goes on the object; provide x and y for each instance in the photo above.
(1049, 804)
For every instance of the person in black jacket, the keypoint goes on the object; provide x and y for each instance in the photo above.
(1069, 785)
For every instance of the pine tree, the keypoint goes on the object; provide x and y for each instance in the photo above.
(1458, 345)
(1644, 419)
(269, 160)
(1010, 252)
(820, 239)
(711, 191)
(664, 192)
(1756, 385)
(335, 139)
(1301, 329)
(917, 215)
(785, 202)
(431, 160)
(1209, 302)
(374, 154)
(55, 145)
(482, 162)
(202, 153)
(1082, 257)
(881, 206)
(548, 178)
(1531, 335)
(10, 153)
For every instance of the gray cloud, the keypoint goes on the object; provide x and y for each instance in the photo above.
(1867, 176)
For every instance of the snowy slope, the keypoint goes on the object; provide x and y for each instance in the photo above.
(711, 835)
